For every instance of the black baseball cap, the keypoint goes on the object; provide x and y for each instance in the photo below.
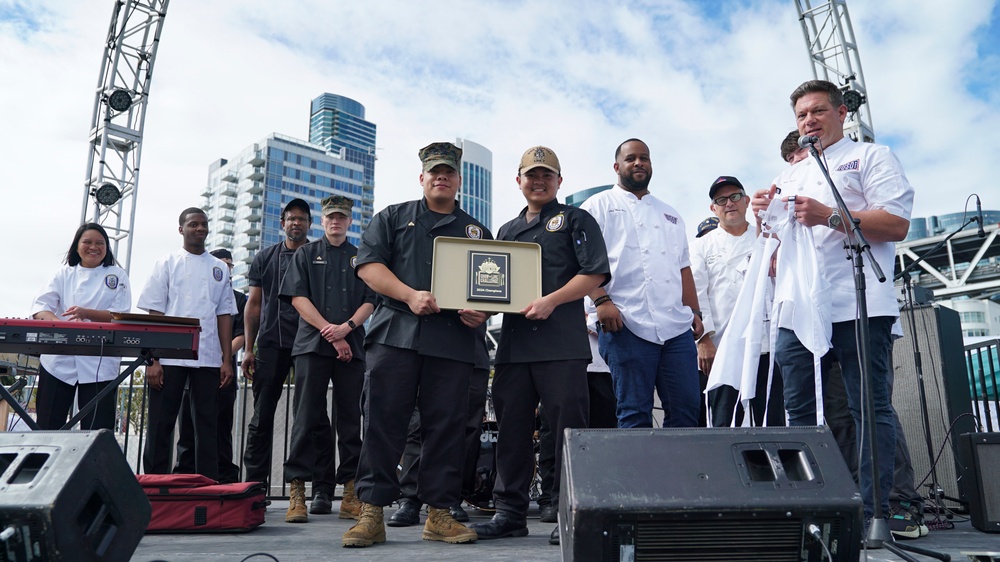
(721, 182)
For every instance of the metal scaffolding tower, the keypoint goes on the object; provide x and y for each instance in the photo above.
(112, 180)
(833, 54)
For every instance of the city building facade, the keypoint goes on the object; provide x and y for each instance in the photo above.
(476, 195)
(245, 194)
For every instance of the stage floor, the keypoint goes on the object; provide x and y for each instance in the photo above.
(319, 540)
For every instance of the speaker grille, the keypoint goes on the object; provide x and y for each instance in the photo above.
(774, 540)
(947, 389)
(989, 460)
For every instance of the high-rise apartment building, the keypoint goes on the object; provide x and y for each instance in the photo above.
(476, 195)
(338, 124)
(245, 194)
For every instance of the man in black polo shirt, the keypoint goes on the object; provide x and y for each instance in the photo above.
(329, 347)
(543, 351)
(271, 323)
(418, 354)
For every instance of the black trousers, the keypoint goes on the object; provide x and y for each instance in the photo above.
(561, 386)
(54, 399)
(164, 405)
(228, 471)
(724, 400)
(310, 450)
(410, 465)
(271, 367)
(398, 381)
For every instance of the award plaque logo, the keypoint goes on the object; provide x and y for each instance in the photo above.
(488, 276)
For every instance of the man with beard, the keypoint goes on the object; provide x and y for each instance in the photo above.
(648, 313)
(272, 323)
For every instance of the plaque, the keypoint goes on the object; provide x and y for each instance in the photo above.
(488, 275)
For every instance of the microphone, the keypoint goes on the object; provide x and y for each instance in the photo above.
(979, 211)
(807, 141)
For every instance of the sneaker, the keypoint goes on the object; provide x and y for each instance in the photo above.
(441, 526)
(369, 529)
(902, 525)
(917, 513)
(350, 505)
(297, 503)
(321, 504)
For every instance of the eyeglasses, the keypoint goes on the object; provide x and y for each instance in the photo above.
(735, 198)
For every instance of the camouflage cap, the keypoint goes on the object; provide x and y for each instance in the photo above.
(539, 156)
(441, 153)
(337, 204)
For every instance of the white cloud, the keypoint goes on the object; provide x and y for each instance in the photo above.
(709, 96)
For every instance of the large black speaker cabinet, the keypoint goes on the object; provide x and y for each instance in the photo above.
(68, 495)
(750, 494)
(980, 456)
(946, 383)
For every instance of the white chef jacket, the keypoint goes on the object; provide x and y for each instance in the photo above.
(99, 288)
(869, 176)
(719, 263)
(194, 286)
(647, 248)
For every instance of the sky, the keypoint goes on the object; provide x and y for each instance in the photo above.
(704, 83)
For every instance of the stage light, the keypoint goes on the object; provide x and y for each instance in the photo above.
(107, 195)
(120, 100)
(853, 100)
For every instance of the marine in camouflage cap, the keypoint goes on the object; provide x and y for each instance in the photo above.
(441, 153)
(337, 204)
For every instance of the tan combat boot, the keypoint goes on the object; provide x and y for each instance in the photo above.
(368, 530)
(297, 503)
(350, 506)
(441, 526)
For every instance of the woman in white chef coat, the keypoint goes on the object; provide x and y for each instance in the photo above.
(87, 289)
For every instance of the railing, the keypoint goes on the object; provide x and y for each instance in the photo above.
(983, 365)
(130, 426)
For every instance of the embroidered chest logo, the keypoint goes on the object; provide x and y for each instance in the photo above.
(319, 260)
(474, 232)
(111, 281)
(555, 223)
(672, 219)
(852, 165)
(354, 262)
(217, 273)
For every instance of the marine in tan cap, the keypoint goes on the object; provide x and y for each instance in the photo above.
(543, 351)
(414, 345)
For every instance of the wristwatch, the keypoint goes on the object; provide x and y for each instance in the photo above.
(352, 324)
(698, 312)
(834, 221)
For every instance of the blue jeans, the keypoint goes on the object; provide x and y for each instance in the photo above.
(796, 363)
(639, 366)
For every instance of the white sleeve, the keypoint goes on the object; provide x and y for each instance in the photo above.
(51, 295)
(699, 270)
(154, 294)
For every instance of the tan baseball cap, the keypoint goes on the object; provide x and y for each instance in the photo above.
(539, 156)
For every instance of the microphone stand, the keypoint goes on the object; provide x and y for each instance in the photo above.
(879, 535)
(937, 493)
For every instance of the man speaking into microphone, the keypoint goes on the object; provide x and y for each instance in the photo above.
(876, 192)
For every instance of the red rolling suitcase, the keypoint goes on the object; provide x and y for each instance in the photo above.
(192, 503)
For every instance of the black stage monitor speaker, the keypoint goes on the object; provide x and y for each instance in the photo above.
(68, 495)
(750, 494)
(946, 383)
(980, 456)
